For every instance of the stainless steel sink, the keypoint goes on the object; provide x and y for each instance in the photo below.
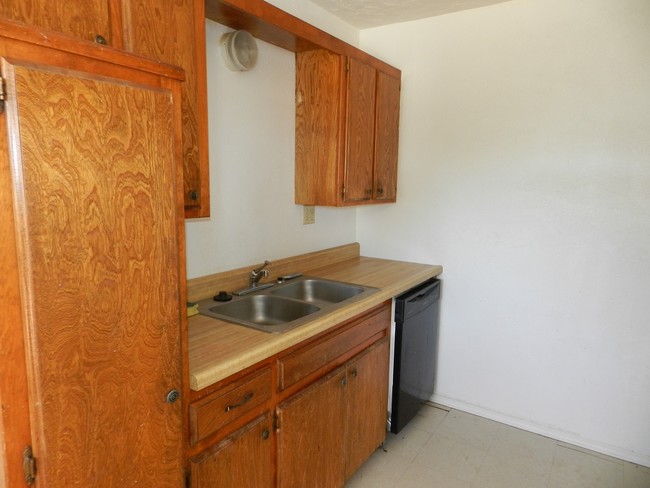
(262, 310)
(286, 305)
(318, 290)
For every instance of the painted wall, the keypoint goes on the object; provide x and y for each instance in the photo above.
(525, 171)
(251, 125)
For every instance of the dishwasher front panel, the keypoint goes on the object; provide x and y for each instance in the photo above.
(416, 343)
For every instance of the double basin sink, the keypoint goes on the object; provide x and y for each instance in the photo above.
(286, 305)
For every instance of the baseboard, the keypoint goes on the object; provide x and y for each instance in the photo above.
(613, 451)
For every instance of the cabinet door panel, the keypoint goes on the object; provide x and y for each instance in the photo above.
(310, 437)
(360, 131)
(319, 111)
(367, 402)
(173, 32)
(242, 460)
(94, 166)
(79, 18)
(386, 137)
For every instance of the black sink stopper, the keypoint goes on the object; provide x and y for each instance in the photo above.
(223, 296)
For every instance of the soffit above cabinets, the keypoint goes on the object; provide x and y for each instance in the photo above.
(364, 14)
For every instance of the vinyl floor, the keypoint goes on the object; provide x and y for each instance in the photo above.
(454, 449)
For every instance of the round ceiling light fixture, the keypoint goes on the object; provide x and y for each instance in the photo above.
(239, 50)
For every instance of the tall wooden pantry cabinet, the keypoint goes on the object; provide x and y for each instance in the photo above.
(92, 265)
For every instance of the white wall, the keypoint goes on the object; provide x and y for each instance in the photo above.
(251, 126)
(525, 171)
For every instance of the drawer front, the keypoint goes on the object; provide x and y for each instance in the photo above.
(301, 363)
(213, 412)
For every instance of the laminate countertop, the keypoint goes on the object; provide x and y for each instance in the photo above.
(218, 349)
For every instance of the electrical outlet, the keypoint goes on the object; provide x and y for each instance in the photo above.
(308, 214)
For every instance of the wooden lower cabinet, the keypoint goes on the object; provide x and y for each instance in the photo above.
(329, 396)
(366, 406)
(241, 460)
(311, 435)
(327, 431)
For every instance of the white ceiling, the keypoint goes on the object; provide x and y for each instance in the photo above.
(372, 13)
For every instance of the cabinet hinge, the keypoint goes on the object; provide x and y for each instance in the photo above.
(276, 422)
(2, 95)
(347, 64)
(343, 192)
(29, 465)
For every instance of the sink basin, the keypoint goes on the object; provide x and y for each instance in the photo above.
(263, 310)
(284, 306)
(316, 290)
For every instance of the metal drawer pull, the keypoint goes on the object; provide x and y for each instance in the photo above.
(247, 397)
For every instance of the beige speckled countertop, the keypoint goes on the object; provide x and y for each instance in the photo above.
(218, 349)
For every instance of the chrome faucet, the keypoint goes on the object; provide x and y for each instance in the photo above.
(254, 280)
(258, 273)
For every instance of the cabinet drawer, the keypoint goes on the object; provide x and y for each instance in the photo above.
(301, 363)
(213, 412)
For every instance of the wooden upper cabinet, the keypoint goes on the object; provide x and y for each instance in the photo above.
(92, 20)
(319, 132)
(347, 124)
(174, 33)
(360, 131)
(386, 137)
(171, 32)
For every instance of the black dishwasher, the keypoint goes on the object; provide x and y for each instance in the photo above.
(414, 357)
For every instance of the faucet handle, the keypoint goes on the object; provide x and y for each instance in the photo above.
(261, 267)
(257, 274)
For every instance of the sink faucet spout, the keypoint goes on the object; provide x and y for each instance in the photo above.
(257, 274)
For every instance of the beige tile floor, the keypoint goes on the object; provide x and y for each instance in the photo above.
(440, 449)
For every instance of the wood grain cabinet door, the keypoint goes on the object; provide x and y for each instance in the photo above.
(386, 137)
(94, 160)
(173, 32)
(360, 138)
(86, 19)
(310, 436)
(367, 404)
(320, 107)
(242, 460)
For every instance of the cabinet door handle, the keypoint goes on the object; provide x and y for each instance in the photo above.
(265, 434)
(99, 39)
(354, 373)
(247, 398)
(172, 396)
